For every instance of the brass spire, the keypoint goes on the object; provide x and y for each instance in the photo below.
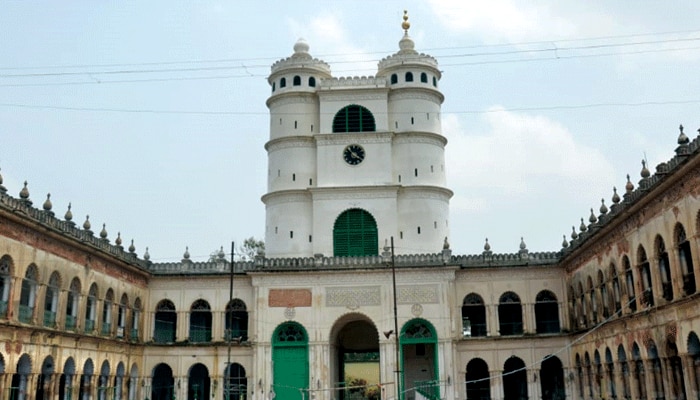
(405, 24)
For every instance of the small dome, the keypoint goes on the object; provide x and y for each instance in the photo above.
(564, 243)
(47, 203)
(603, 207)
(132, 249)
(69, 214)
(616, 197)
(86, 224)
(592, 219)
(487, 246)
(682, 138)
(301, 46)
(146, 256)
(574, 235)
(582, 227)
(629, 187)
(645, 171)
(24, 193)
(118, 240)
(103, 232)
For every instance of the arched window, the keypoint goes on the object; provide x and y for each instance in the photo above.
(625, 372)
(423, 77)
(677, 380)
(610, 373)
(72, 304)
(273, 86)
(27, 300)
(603, 292)
(664, 269)
(236, 382)
(547, 312)
(638, 372)
(312, 81)
(657, 374)
(510, 314)
(353, 118)
(409, 76)
(394, 79)
(283, 83)
(579, 376)
(5, 278)
(616, 293)
(645, 274)
(435, 81)
(693, 344)
(91, 309)
(165, 322)
(473, 316)
(686, 260)
(514, 379)
(593, 300)
(552, 382)
(103, 385)
(200, 322)
(629, 284)
(355, 234)
(107, 312)
(121, 316)
(236, 321)
(477, 382)
(51, 300)
(296, 81)
(163, 383)
(597, 375)
(135, 320)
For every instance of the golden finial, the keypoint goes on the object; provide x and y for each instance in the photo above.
(405, 24)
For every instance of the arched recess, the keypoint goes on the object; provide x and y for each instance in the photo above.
(664, 264)
(478, 385)
(624, 371)
(121, 316)
(20, 379)
(51, 300)
(198, 383)
(135, 321)
(44, 384)
(645, 274)
(290, 361)
(165, 322)
(685, 257)
(5, 280)
(629, 284)
(353, 118)
(73, 305)
(162, 383)
(694, 354)
(597, 374)
(91, 309)
(107, 312)
(674, 362)
(604, 295)
(610, 373)
(638, 374)
(547, 312)
(355, 234)
(200, 322)
(86, 380)
(119, 381)
(354, 356)
(27, 299)
(419, 359)
(552, 379)
(104, 388)
(510, 314)
(236, 324)
(616, 291)
(473, 316)
(236, 384)
(67, 380)
(133, 382)
(657, 373)
(514, 379)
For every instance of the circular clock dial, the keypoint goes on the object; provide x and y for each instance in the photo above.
(354, 154)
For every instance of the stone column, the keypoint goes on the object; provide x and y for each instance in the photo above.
(5, 384)
(533, 383)
(492, 320)
(649, 380)
(496, 384)
(618, 379)
(634, 384)
(30, 390)
(689, 377)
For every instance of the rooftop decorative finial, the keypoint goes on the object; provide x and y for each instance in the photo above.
(132, 248)
(146, 255)
(405, 24)
(445, 244)
(574, 235)
(564, 243)
(118, 240)
(582, 227)
(592, 219)
(69, 214)
(603, 208)
(86, 224)
(103, 232)
(616, 197)
(629, 187)
(487, 246)
(682, 138)
(2, 188)
(645, 171)
(186, 256)
(47, 204)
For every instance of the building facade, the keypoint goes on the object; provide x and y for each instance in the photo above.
(360, 295)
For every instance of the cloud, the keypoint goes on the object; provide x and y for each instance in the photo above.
(520, 156)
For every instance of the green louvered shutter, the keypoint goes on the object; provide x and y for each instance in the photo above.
(354, 118)
(355, 234)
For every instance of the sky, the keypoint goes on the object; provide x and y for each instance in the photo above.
(150, 117)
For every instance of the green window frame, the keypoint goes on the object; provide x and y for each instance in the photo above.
(354, 118)
(355, 234)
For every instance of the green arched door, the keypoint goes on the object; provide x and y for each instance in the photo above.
(290, 361)
(419, 360)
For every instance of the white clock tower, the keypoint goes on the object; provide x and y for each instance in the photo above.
(353, 161)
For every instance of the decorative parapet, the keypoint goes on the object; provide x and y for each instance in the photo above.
(489, 259)
(354, 82)
(684, 153)
(68, 229)
(402, 59)
(187, 267)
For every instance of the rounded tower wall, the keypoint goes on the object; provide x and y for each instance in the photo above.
(419, 159)
(293, 114)
(420, 231)
(288, 224)
(415, 110)
(291, 163)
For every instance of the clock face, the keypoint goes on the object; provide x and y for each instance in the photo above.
(354, 154)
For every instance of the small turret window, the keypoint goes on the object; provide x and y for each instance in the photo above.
(435, 81)
(297, 81)
(312, 81)
(273, 86)
(353, 118)
(424, 77)
(283, 83)
(394, 79)
(409, 76)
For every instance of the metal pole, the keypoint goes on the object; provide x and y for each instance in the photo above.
(229, 333)
(396, 324)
